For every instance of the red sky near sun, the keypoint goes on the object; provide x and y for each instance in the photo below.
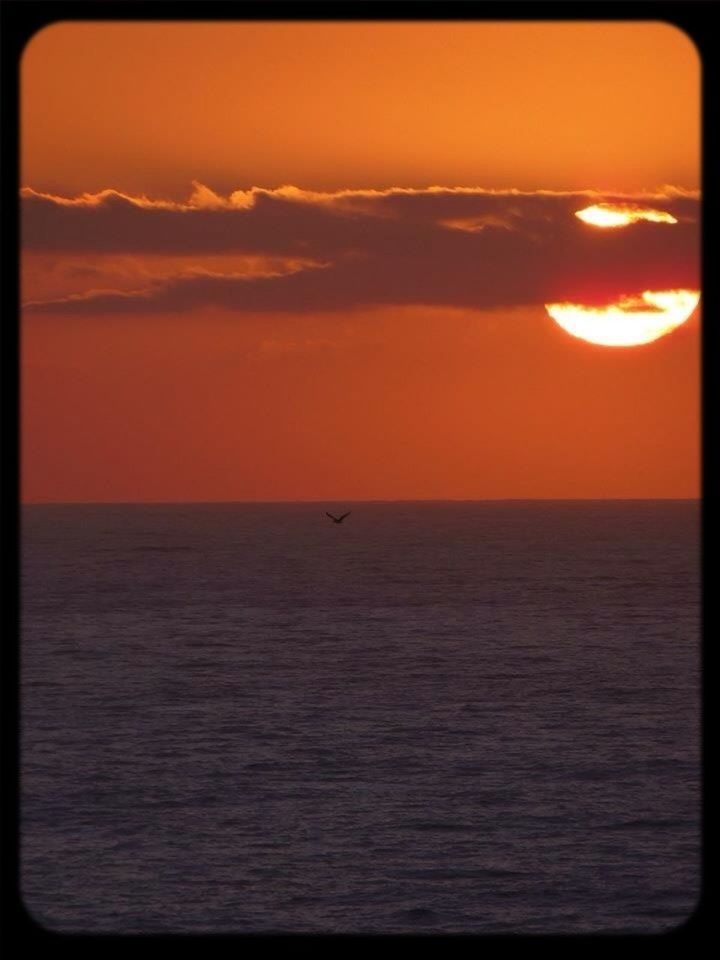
(194, 329)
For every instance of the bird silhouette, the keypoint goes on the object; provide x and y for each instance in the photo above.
(338, 519)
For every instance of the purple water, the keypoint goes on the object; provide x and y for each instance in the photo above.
(433, 718)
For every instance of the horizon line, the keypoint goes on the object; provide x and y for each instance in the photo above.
(110, 503)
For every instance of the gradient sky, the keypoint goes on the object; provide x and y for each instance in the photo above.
(195, 329)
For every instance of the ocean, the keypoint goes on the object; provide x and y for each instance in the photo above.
(434, 718)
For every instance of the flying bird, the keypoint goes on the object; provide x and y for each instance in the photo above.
(338, 519)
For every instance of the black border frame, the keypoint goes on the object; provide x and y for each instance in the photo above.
(19, 21)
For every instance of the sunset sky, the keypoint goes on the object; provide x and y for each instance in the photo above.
(311, 261)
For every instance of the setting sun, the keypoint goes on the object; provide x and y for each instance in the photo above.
(620, 215)
(630, 321)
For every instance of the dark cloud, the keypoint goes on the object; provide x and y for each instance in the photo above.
(463, 248)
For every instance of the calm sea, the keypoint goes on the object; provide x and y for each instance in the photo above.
(463, 717)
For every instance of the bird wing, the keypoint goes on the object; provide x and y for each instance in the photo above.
(330, 515)
(345, 515)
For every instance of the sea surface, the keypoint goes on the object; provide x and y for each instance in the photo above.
(434, 718)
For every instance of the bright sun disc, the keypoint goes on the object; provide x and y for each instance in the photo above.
(630, 321)
(621, 214)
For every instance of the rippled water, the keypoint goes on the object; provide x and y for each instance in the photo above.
(434, 718)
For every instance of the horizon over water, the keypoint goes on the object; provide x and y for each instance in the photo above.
(220, 503)
(439, 717)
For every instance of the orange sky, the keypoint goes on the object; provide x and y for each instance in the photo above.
(389, 399)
